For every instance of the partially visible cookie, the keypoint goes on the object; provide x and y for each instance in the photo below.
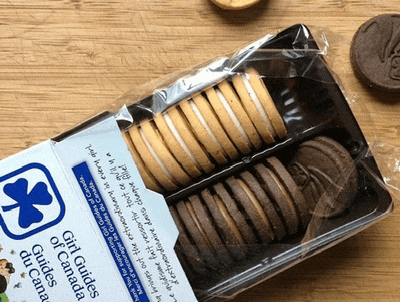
(177, 145)
(237, 215)
(197, 234)
(375, 53)
(235, 4)
(212, 120)
(244, 120)
(205, 221)
(303, 210)
(189, 139)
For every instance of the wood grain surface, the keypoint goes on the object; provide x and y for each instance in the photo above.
(62, 61)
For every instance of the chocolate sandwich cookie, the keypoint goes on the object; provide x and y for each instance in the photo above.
(199, 211)
(189, 249)
(375, 53)
(237, 215)
(327, 161)
(303, 210)
(229, 231)
(280, 195)
(197, 234)
(267, 205)
(252, 209)
(346, 164)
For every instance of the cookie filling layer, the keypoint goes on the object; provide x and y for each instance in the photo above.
(158, 160)
(206, 126)
(229, 220)
(180, 140)
(258, 104)
(233, 117)
(258, 207)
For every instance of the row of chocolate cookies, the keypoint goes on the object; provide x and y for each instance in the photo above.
(264, 204)
(236, 116)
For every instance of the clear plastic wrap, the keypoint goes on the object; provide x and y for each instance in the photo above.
(311, 104)
(259, 159)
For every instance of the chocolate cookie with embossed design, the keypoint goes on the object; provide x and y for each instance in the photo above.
(375, 53)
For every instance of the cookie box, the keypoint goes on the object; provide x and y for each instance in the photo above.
(216, 181)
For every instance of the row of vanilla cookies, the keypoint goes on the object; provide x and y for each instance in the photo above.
(214, 127)
(262, 205)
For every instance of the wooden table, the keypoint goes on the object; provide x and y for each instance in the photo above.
(63, 61)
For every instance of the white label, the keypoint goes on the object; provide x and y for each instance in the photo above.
(78, 224)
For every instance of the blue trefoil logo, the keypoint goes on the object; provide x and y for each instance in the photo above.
(25, 201)
(29, 201)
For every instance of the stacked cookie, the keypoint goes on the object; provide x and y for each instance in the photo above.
(324, 170)
(237, 116)
(263, 204)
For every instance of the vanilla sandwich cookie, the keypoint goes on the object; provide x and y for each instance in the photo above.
(203, 131)
(266, 101)
(244, 120)
(163, 153)
(254, 108)
(227, 227)
(185, 136)
(148, 179)
(212, 120)
(154, 164)
(228, 120)
(252, 209)
(177, 148)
